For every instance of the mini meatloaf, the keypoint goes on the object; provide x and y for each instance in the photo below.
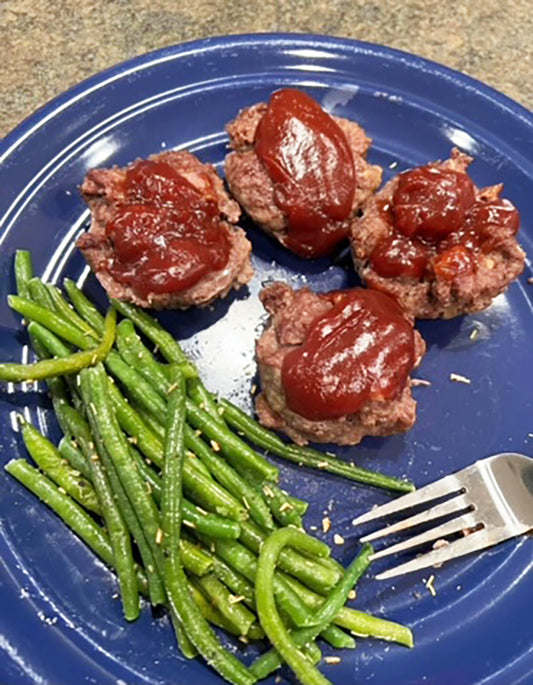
(162, 233)
(436, 242)
(298, 172)
(334, 367)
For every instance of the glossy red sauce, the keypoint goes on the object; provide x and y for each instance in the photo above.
(307, 156)
(431, 203)
(166, 235)
(439, 224)
(399, 256)
(361, 350)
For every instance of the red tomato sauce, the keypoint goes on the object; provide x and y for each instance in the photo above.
(307, 156)
(166, 235)
(361, 350)
(438, 223)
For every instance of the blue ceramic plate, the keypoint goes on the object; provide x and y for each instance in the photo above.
(60, 622)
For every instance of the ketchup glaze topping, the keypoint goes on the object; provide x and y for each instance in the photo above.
(307, 157)
(362, 349)
(438, 224)
(166, 235)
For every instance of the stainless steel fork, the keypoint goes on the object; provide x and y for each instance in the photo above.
(492, 501)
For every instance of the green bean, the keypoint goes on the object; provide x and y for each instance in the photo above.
(241, 587)
(335, 465)
(74, 425)
(49, 341)
(198, 630)
(60, 398)
(119, 537)
(209, 495)
(195, 461)
(306, 456)
(211, 525)
(85, 527)
(171, 351)
(338, 638)
(133, 424)
(23, 271)
(50, 344)
(92, 447)
(229, 605)
(312, 652)
(196, 390)
(299, 505)
(84, 306)
(181, 602)
(169, 348)
(235, 581)
(138, 508)
(35, 312)
(229, 479)
(198, 482)
(151, 478)
(174, 448)
(38, 292)
(46, 344)
(47, 457)
(245, 562)
(150, 420)
(41, 350)
(66, 508)
(134, 352)
(60, 401)
(357, 622)
(195, 560)
(282, 508)
(68, 450)
(153, 331)
(65, 365)
(238, 453)
(210, 613)
(56, 384)
(64, 309)
(185, 646)
(313, 574)
(269, 617)
(137, 387)
(149, 387)
(117, 448)
(288, 644)
(171, 505)
(137, 355)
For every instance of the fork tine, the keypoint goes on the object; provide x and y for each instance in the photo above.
(457, 524)
(452, 506)
(445, 486)
(477, 540)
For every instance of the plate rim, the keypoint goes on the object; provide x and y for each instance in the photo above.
(58, 103)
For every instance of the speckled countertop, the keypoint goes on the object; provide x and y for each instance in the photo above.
(48, 45)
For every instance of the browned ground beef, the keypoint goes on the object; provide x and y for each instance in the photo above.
(291, 314)
(251, 185)
(102, 190)
(433, 297)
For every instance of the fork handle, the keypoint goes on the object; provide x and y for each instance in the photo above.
(527, 476)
